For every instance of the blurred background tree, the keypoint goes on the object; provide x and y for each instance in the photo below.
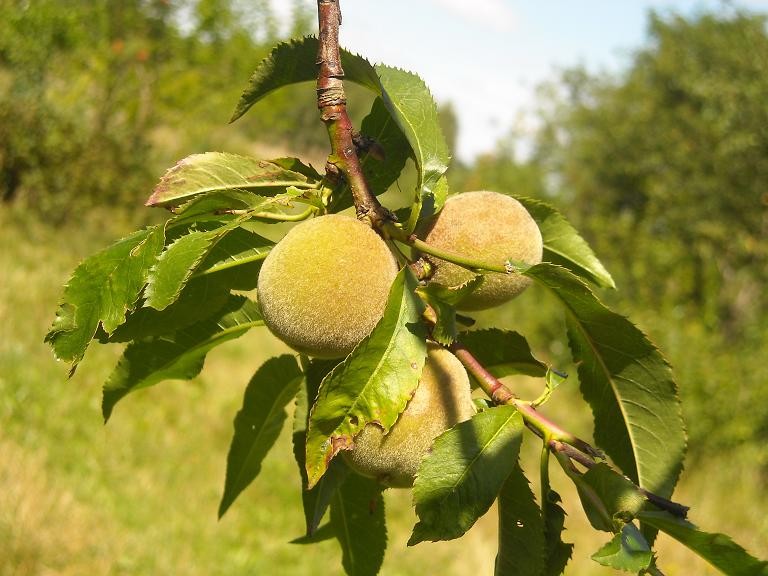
(98, 98)
(663, 167)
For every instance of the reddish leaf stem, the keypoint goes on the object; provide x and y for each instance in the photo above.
(332, 102)
(557, 440)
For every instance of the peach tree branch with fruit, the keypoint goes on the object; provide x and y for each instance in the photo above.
(375, 307)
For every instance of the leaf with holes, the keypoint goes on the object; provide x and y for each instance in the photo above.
(373, 384)
(521, 529)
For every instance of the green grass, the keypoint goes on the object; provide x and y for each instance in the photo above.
(139, 496)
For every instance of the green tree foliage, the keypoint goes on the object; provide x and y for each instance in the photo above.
(96, 98)
(668, 163)
(665, 167)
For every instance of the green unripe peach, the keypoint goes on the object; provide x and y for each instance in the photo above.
(488, 227)
(324, 286)
(441, 400)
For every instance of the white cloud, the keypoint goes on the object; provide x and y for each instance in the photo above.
(495, 14)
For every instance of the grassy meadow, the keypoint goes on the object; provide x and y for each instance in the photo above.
(139, 496)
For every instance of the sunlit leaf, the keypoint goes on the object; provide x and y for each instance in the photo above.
(564, 246)
(235, 259)
(180, 356)
(627, 383)
(102, 289)
(404, 95)
(200, 299)
(373, 384)
(628, 551)
(219, 172)
(410, 102)
(462, 475)
(521, 529)
(258, 423)
(174, 267)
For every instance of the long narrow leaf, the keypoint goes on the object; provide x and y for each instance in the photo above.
(181, 356)
(717, 549)
(219, 171)
(521, 529)
(564, 246)
(627, 383)
(258, 423)
(357, 517)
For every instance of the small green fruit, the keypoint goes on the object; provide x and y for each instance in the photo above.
(442, 400)
(324, 286)
(489, 227)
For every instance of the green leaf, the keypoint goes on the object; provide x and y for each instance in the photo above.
(404, 95)
(235, 259)
(102, 289)
(293, 62)
(379, 125)
(357, 517)
(462, 475)
(564, 246)
(628, 551)
(220, 172)
(521, 529)
(627, 383)
(410, 102)
(178, 261)
(180, 356)
(258, 423)
(317, 499)
(558, 552)
(717, 549)
(374, 383)
(503, 352)
(323, 533)
(384, 163)
(200, 299)
(620, 497)
(442, 299)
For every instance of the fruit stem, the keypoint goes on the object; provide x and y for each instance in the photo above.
(397, 233)
(332, 103)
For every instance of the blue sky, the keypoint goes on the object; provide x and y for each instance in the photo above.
(487, 56)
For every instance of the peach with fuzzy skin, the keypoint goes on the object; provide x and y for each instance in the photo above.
(441, 400)
(488, 227)
(324, 286)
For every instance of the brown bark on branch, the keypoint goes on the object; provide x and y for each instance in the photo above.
(331, 100)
